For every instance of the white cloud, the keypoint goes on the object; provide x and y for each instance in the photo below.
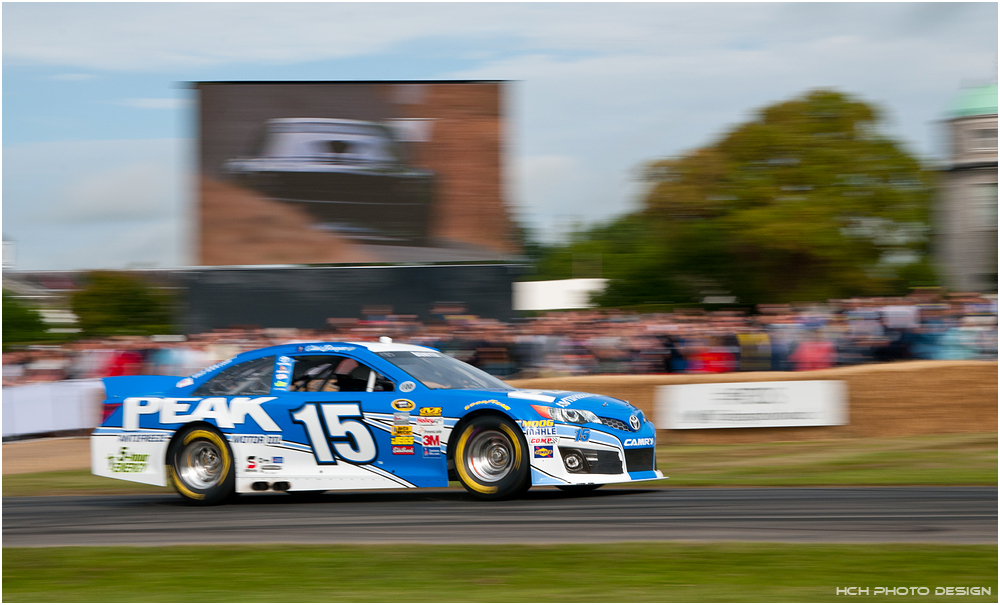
(98, 204)
(72, 77)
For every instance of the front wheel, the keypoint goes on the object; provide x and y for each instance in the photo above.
(491, 458)
(201, 466)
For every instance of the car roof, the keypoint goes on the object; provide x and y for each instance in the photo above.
(298, 348)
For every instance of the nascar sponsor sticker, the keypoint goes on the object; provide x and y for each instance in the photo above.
(430, 411)
(398, 431)
(543, 451)
(407, 386)
(403, 405)
(402, 440)
(402, 450)
(488, 402)
(127, 461)
(542, 440)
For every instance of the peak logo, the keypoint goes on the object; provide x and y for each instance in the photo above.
(226, 413)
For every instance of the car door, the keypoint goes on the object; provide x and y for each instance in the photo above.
(352, 421)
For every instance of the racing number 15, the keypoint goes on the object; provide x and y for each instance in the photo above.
(351, 439)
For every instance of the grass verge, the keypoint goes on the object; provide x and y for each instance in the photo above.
(662, 572)
(956, 459)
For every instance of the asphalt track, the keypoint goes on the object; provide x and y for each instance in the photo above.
(963, 515)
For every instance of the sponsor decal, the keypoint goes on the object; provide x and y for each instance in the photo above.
(401, 418)
(407, 386)
(184, 382)
(402, 450)
(539, 428)
(425, 354)
(644, 442)
(211, 368)
(528, 424)
(489, 402)
(324, 348)
(251, 464)
(256, 439)
(402, 440)
(278, 459)
(227, 412)
(281, 375)
(281, 383)
(143, 438)
(566, 401)
(542, 451)
(285, 360)
(431, 441)
(432, 452)
(582, 435)
(270, 467)
(398, 431)
(542, 440)
(255, 463)
(430, 411)
(403, 405)
(127, 462)
(429, 421)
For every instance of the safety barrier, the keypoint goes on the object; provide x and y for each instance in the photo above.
(51, 407)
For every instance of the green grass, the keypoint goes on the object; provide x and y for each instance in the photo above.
(957, 459)
(954, 459)
(421, 573)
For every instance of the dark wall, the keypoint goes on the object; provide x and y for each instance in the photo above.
(304, 297)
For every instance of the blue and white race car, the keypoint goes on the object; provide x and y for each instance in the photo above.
(364, 415)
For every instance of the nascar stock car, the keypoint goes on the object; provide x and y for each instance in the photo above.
(364, 415)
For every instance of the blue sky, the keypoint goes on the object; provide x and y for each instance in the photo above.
(98, 125)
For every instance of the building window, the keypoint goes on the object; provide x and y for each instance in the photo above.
(984, 139)
(986, 205)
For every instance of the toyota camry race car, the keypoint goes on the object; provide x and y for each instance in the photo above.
(328, 416)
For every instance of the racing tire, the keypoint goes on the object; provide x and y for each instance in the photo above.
(200, 466)
(491, 458)
(579, 489)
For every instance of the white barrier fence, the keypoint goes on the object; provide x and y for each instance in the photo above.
(737, 405)
(52, 406)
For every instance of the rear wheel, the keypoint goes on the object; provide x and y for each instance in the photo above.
(491, 458)
(201, 466)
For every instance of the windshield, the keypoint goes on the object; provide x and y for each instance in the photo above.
(438, 371)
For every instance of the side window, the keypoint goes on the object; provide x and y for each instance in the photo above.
(332, 373)
(248, 378)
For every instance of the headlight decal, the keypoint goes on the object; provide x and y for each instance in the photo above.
(567, 415)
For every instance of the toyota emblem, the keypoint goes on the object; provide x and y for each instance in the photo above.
(634, 422)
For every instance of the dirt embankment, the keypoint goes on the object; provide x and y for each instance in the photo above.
(247, 228)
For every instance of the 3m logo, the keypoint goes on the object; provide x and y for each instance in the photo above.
(432, 440)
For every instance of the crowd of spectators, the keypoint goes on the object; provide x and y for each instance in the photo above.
(924, 325)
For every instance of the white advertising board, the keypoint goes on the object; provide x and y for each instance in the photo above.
(752, 404)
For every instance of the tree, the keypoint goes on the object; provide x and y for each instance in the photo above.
(21, 324)
(114, 303)
(809, 201)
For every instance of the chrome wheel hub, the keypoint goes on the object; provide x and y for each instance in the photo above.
(201, 465)
(490, 456)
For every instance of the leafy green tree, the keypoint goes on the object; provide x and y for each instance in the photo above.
(114, 303)
(21, 324)
(808, 201)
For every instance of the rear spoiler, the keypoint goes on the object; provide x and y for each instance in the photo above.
(117, 388)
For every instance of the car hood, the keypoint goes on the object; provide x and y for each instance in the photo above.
(602, 405)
